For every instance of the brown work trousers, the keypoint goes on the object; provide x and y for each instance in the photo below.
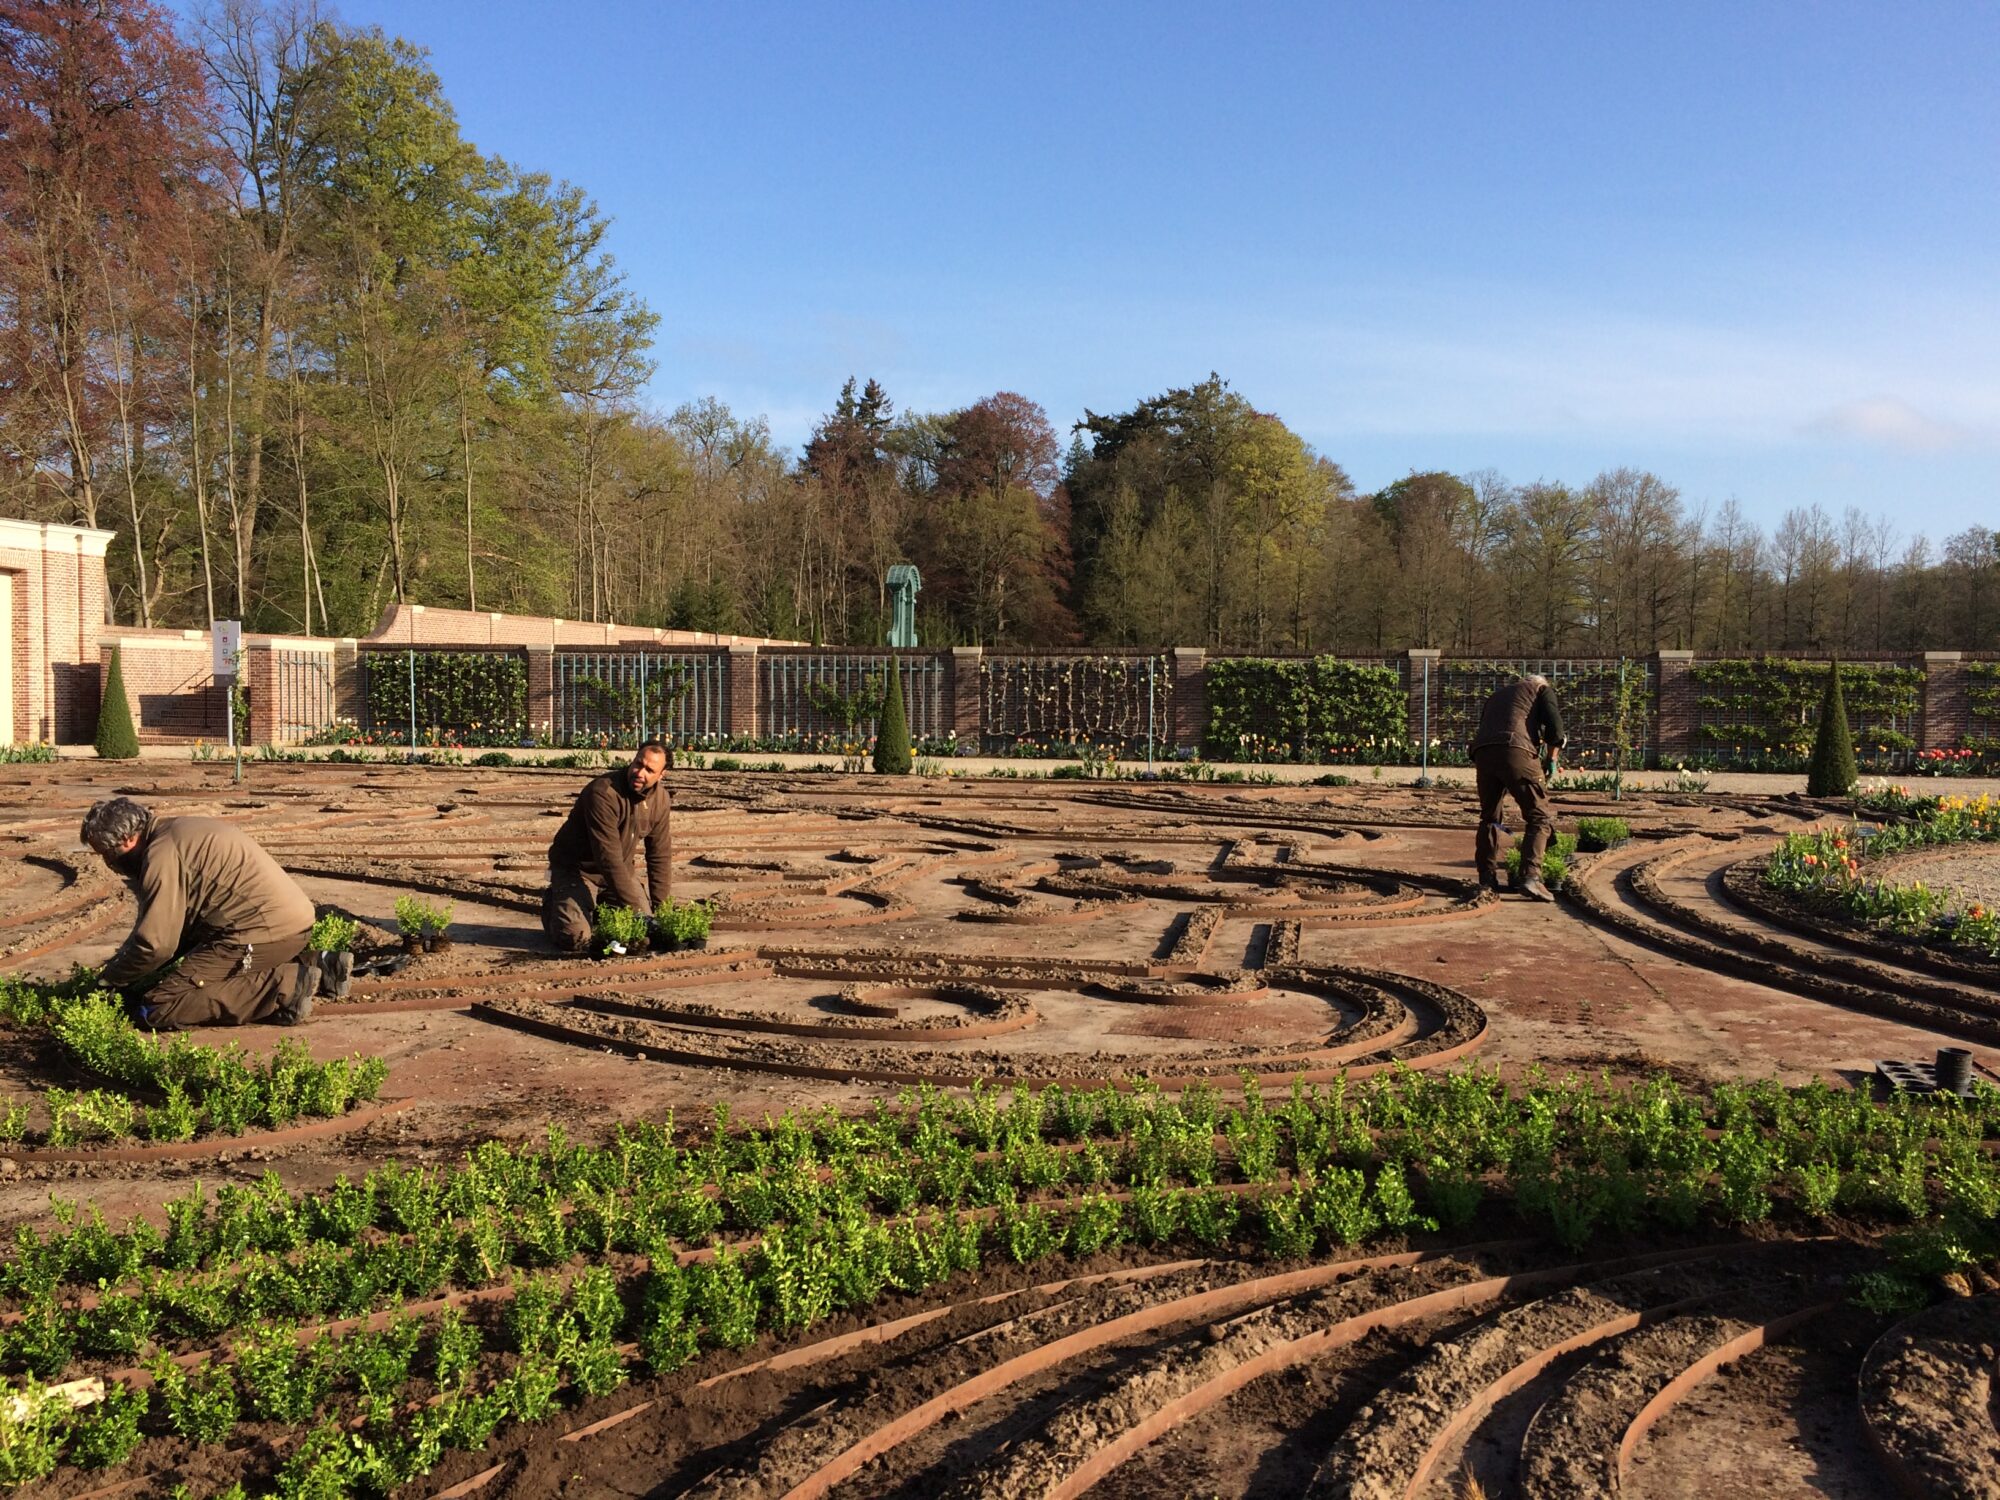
(1509, 771)
(568, 907)
(212, 987)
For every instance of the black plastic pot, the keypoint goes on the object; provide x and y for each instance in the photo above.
(413, 942)
(336, 974)
(1954, 1071)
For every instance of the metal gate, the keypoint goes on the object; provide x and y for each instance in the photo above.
(623, 697)
(302, 683)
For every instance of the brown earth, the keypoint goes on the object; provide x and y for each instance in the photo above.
(1181, 931)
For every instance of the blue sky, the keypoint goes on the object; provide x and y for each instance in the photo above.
(1749, 246)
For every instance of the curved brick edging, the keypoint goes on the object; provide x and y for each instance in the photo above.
(1645, 882)
(1743, 886)
(1683, 1384)
(1463, 1032)
(1578, 894)
(1208, 1306)
(1018, 1020)
(1921, 1481)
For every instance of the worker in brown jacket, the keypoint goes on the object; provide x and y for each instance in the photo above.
(591, 855)
(1516, 723)
(210, 898)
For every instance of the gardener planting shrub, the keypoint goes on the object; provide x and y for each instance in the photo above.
(1518, 724)
(214, 906)
(592, 855)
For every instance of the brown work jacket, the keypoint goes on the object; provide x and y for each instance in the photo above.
(603, 832)
(206, 881)
(1518, 716)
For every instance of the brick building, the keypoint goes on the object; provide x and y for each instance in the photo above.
(51, 620)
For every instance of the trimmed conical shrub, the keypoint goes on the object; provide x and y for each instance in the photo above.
(117, 739)
(892, 735)
(1832, 772)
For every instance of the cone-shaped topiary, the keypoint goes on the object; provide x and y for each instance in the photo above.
(1832, 772)
(892, 734)
(117, 739)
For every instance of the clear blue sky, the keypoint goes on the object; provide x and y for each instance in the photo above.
(1750, 246)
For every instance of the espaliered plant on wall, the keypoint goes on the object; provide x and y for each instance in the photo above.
(1761, 714)
(1058, 702)
(473, 697)
(1321, 709)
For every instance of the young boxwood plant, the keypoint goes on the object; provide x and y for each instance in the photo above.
(1594, 835)
(422, 922)
(195, 1085)
(333, 933)
(1555, 862)
(683, 924)
(617, 930)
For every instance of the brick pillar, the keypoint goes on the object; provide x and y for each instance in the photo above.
(1414, 714)
(1947, 714)
(1190, 707)
(967, 696)
(347, 696)
(1673, 707)
(260, 680)
(742, 719)
(541, 690)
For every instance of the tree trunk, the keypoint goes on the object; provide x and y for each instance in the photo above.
(465, 440)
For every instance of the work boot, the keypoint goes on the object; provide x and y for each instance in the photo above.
(1534, 890)
(296, 1008)
(1489, 880)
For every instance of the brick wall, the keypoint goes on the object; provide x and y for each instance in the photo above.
(174, 695)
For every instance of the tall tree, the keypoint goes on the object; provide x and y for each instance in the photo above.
(108, 129)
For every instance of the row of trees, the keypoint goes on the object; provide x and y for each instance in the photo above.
(266, 312)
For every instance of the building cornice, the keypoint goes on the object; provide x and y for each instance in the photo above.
(53, 536)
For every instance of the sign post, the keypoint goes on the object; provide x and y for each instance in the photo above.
(226, 656)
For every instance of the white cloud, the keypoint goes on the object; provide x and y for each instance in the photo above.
(1889, 421)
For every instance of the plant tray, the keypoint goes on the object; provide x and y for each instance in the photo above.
(1910, 1077)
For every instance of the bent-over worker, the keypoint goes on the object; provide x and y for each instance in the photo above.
(591, 856)
(1516, 723)
(211, 898)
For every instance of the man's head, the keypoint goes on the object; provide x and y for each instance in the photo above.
(1535, 679)
(117, 829)
(646, 767)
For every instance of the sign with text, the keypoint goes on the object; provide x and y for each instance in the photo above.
(227, 638)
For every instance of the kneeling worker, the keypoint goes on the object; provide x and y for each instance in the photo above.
(210, 897)
(1514, 723)
(592, 852)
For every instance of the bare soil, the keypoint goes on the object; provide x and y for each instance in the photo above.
(947, 929)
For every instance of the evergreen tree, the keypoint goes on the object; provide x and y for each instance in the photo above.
(892, 735)
(1832, 772)
(117, 739)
